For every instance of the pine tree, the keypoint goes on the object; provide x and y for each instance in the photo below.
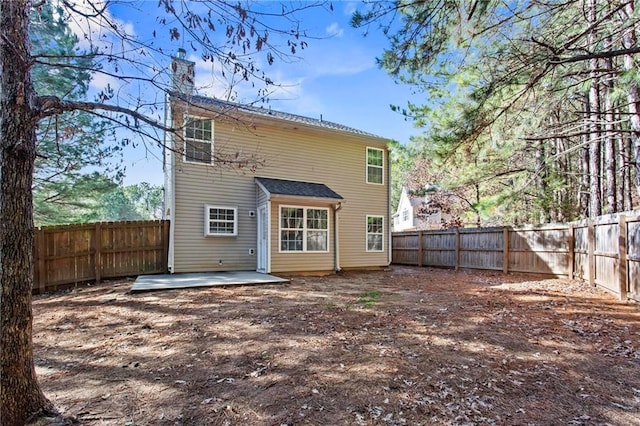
(73, 144)
(520, 71)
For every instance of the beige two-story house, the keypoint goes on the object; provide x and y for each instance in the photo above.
(249, 188)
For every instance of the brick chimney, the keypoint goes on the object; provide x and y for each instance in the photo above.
(182, 73)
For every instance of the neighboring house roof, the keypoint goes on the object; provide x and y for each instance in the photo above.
(269, 113)
(417, 200)
(297, 189)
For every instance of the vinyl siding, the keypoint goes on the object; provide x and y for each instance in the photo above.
(333, 158)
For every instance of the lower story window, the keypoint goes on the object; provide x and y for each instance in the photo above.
(375, 233)
(304, 229)
(220, 221)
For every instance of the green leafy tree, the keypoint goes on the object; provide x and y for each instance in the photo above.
(141, 201)
(75, 200)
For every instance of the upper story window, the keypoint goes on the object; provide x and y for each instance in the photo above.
(220, 221)
(405, 215)
(198, 140)
(375, 165)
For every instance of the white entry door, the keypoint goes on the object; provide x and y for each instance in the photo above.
(263, 239)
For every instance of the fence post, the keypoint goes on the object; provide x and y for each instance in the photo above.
(591, 249)
(622, 256)
(505, 249)
(457, 249)
(97, 255)
(420, 248)
(572, 251)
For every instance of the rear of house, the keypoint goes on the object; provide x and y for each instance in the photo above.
(252, 189)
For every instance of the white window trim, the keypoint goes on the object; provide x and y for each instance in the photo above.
(366, 165)
(304, 229)
(366, 231)
(207, 221)
(184, 140)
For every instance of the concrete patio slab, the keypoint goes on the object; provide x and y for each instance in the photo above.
(202, 279)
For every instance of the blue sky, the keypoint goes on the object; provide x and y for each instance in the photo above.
(336, 76)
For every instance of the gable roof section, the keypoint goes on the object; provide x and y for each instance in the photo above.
(226, 106)
(297, 189)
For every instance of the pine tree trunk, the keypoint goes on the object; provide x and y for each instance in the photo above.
(595, 188)
(623, 165)
(20, 394)
(583, 193)
(609, 137)
(629, 175)
(541, 183)
(630, 40)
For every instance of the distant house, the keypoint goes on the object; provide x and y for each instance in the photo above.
(411, 213)
(249, 188)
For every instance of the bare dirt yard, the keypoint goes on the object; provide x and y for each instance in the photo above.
(409, 346)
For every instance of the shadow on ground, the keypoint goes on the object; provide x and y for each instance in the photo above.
(406, 346)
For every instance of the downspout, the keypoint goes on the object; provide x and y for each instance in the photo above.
(336, 249)
(269, 234)
(389, 248)
(169, 182)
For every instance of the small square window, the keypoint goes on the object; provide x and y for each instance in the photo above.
(220, 221)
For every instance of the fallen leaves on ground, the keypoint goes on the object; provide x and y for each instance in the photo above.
(400, 347)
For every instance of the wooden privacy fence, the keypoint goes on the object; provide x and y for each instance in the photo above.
(69, 254)
(604, 251)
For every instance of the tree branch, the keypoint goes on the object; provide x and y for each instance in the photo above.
(52, 105)
(595, 55)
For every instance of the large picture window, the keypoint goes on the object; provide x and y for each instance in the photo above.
(375, 165)
(375, 233)
(304, 229)
(198, 140)
(220, 221)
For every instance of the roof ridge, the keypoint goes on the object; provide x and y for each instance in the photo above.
(282, 115)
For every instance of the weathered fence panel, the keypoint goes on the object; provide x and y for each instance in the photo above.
(481, 248)
(604, 251)
(439, 248)
(406, 252)
(69, 254)
(543, 250)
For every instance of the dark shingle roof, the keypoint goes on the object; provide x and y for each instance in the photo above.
(297, 189)
(263, 112)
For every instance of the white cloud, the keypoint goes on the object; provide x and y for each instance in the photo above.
(210, 81)
(350, 8)
(99, 81)
(340, 60)
(334, 30)
(95, 29)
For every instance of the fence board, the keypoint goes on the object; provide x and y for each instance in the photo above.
(70, 254)
(633, 257)
(591, 250)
